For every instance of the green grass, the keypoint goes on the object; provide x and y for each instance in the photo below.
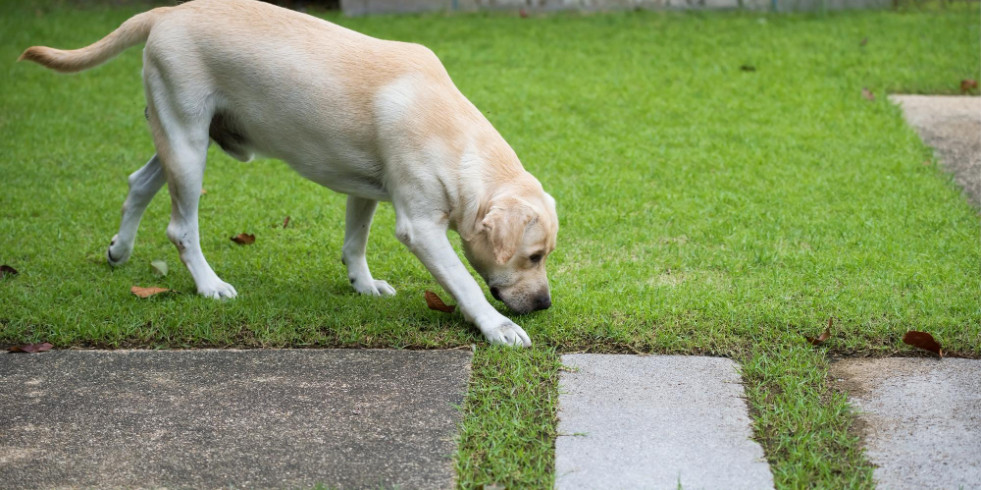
(705, 210)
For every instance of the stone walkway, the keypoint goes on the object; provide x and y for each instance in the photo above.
(220, 419)
(952, 126)
(655, 422)
(921, 419)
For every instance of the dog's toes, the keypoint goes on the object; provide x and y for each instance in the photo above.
(220, 290)
(384, 289)
(373, 288)
(508, 334)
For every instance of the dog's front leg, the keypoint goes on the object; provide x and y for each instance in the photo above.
(428, 241)
(356, 228)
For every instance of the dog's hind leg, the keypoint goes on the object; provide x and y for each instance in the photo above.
(357, 225)
(182, 146)
(143, 185)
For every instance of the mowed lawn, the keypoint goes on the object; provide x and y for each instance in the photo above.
(724, 188)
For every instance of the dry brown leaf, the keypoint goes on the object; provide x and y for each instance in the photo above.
(867, 94)
(923, 340)
(968, 85)
(147, 292)
(244, 239)
(6, 270)
(31, 348)
(824, 336)
(435, 303)
(286, 222)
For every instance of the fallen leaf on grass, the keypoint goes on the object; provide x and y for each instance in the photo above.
(824, 336)
(244, 239)
(867, 94)
(147, 292)
(6, 270)
(968, 85)
(286, 222)
(435, 303)
(923, 340)
(159, 267)
(864, 41)
(31, 348)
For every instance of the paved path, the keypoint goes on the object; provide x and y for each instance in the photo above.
(952, 126)
(245, 419)
(921, 419)
(655, 422)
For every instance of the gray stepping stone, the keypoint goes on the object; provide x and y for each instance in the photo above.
(921, 419)
(220, 418)
(655, 422)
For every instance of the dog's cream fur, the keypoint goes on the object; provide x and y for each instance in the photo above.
(376, 120)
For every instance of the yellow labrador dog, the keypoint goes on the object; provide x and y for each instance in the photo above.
(376, 120)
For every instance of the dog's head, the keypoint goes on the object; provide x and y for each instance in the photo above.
(510, 243)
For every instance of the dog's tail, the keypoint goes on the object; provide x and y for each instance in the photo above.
(132, 32)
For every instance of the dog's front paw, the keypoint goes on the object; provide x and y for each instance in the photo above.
(508, 334)
(218, 290)
(373, 287)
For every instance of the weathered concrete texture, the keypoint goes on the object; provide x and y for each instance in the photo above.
(921, 419)
(245, 419)
(952, 126)
(362, 7)
(655, 422)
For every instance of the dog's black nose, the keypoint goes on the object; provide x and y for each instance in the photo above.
(543, 302)
(496, 293)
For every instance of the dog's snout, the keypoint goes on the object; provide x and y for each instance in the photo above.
(543, 302)
(496, 293)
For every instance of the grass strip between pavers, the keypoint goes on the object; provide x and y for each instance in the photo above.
(507, 438)
(803, 425)
(724, 187)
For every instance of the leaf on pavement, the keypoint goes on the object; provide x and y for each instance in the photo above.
(923, 340)
(435, 303)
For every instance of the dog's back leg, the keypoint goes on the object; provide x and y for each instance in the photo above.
(143, 185)
(357, 225)
(181, 139)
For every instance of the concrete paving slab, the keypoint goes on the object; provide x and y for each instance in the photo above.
(952, 126)
(221, 418)
(921, 419)
(655, 422)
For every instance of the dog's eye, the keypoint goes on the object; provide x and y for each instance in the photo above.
(536, 258)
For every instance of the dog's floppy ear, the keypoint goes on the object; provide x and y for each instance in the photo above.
(505, 224)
